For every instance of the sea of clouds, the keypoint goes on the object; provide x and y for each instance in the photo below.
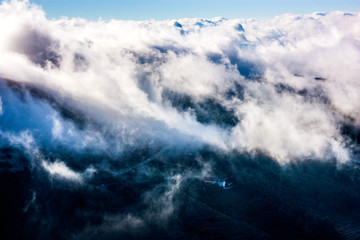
(290, 83)
(286, 87)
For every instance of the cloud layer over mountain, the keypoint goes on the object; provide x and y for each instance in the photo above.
(80, 100)
(285, 85)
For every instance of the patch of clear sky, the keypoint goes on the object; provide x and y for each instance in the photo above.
(175, 9)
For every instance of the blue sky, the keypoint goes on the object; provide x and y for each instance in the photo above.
(173, 9)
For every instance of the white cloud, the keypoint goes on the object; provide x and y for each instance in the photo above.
(59, 169)
(117, 73)
(24, 140)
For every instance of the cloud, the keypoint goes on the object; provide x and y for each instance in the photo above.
(157, 83)
(271, 103)
(59, 169)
